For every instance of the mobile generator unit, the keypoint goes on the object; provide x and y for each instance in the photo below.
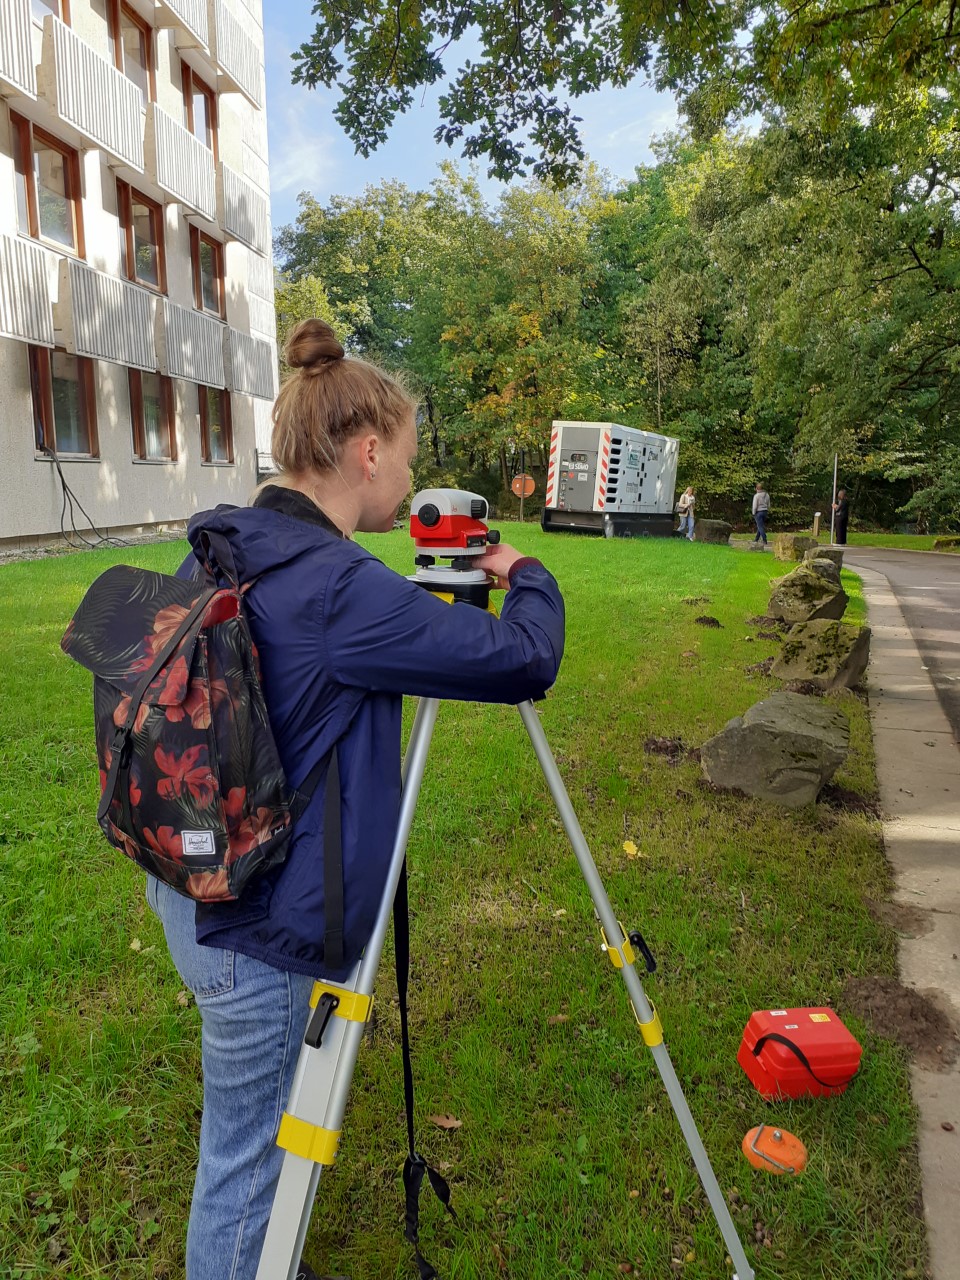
(606, 479)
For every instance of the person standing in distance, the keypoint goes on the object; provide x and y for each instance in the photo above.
(842, 509)
(341, 638)
(761, 508)
(685, 508)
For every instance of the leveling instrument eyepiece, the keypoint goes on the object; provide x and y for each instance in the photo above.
(450, 524)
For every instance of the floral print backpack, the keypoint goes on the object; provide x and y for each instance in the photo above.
(192, 788)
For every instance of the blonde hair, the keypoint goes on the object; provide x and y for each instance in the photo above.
(328, 400)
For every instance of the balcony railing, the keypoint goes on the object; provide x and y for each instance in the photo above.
(90, 94)
(180, 163)
(237, 53)
(190, 345)
(263, 317)
(106, 318)
(189, 14)
(246, 212)
(253, 365)
(26, 303)
(260, 277)
(16, 47)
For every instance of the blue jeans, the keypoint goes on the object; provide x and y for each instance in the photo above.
(254, 1018)
(686, 526)
(760, 519)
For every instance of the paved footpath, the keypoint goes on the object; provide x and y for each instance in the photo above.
(927, 588)
(914, 679)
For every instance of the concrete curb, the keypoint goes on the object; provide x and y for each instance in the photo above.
(918, 768)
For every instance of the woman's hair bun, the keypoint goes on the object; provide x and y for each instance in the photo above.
(312, 346)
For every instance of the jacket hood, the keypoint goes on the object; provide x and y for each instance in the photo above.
(261, 539)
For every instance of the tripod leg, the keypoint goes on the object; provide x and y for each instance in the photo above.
(311, 1126)
(621, 954)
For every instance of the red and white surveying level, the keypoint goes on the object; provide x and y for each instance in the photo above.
(450, 525)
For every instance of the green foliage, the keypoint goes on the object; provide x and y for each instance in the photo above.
(770, 298)
(505, 103)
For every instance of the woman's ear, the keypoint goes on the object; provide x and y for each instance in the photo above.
(369, 454)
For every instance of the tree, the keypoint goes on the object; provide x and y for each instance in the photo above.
(303, 299)
(507, 103)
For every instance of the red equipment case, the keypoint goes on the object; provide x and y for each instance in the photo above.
(798, 1053)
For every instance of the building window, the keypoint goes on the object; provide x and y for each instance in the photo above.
(216, 428)
(151, 410)
(141, 238)
(48, 187)
(64, 403)
(131, 41)
(207, 258)
(199, 108)
(59, 10)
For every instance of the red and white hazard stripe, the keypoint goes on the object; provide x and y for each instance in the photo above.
(603, 467)
(552, 466)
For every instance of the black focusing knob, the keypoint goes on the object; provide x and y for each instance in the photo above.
(493, 536)
(478, 508)
(429, 515)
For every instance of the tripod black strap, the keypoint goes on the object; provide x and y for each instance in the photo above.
(801, 1056)
(414, 1167)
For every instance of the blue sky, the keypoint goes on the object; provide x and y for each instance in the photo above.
(309, 152)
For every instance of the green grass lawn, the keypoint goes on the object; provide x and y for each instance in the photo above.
(569, 1162)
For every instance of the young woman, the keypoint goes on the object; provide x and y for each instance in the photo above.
(341, 638)
(685, 508)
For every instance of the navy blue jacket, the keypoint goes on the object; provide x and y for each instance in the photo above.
(341, 637)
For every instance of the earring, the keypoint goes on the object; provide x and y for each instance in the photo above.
(373, 475)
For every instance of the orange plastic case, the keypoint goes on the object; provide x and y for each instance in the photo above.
(798, 1053)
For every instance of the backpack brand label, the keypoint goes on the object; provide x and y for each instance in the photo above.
(198, 843)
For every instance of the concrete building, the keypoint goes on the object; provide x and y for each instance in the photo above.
(137, 340)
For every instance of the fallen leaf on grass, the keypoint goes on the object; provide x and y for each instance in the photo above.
(446, 1122)
(631, 850)
(556, 1018)
(183, 999)
(136, 945)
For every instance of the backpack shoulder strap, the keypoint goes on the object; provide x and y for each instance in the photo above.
(332, 850)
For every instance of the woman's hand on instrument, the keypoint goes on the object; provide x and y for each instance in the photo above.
(498, 560)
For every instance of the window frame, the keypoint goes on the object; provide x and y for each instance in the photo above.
(41, 389)
(116, 12)
(196, 236)
(63, 15)
(138, 417)
(192, 83)
(25, 132)
(126, 193)
(205, 458)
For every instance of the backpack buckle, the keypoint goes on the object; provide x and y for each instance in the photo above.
(122, 744)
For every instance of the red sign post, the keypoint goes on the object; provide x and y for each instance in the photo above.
(523, 485)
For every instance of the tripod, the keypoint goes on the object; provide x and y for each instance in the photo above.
(310, 1129)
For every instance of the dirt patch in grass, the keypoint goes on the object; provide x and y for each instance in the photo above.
(847, 801)
(769, 622)
(910, 921)
(672, 748)
(759, 668)
(695, 600)
(804, 686)
(906, 1016)
(706, 621)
